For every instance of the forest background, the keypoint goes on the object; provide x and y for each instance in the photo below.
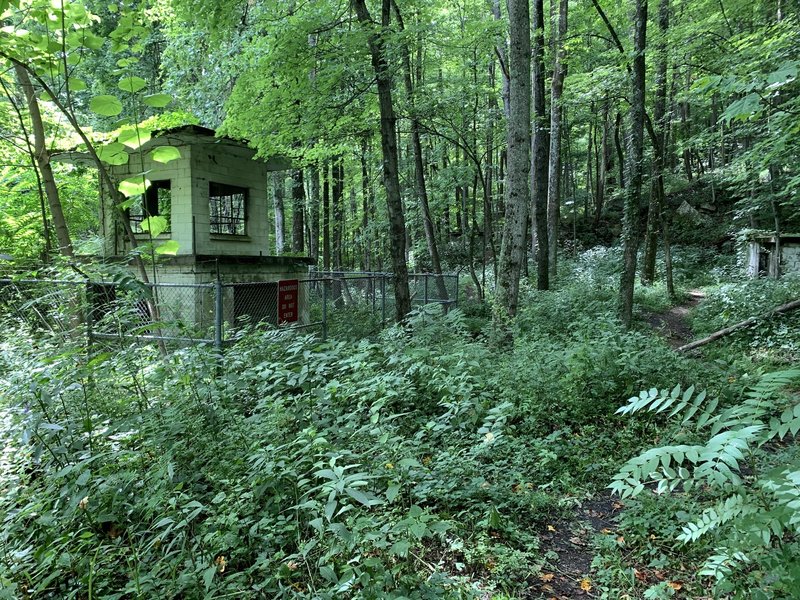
(599, 153)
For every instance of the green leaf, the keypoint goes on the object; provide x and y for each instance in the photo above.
(165, 154)
(391, 492)
(105, 105)
(76, 85)
(208, 576)
(113, 154)
(742, 109)
(157, 100)
(170, 248)
(156, 226)
(131, 84)
(134, 137)
(400, 548)
(133, 186)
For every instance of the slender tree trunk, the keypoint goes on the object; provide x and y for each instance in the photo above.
(657, 200)
(391, 178)
(338, 211)
(43, 162)
(419, 168)
(502, 57)
(277, 201)
(366, 203)
(633, 191)
(298, 208)
(313, 212)
(512, 251)
(554, 168)
(34, 165)
(326, 217)
(541, 147)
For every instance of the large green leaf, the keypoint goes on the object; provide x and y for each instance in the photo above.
(113, 154)
(134, 137)
(742, 108)
(165, 154)
(131, 84)
(157, 100)
(134, 186)
(155, 225)
(76, 85)
(106, 105)
(169, 247)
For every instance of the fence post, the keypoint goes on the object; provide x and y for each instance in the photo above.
(425, 285)
(456, 289)
(324, 310)
(383, 299)
(218, 320)
(89, 310)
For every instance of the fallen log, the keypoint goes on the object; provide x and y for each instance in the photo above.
(782, 309)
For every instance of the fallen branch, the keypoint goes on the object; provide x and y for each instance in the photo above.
(782, 309)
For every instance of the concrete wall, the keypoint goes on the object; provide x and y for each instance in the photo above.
(790, 258)
(179, 173)
(230, 165)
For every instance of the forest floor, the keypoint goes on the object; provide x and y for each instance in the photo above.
(672, 323)
(570, 541)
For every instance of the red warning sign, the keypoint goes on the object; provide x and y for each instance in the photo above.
(288, 301)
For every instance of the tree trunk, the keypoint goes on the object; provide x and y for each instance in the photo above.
(298, 208)
(338, 212)
(313, 212)
(419, 168)
(657, 200)
(554, 168)
(43, 163)
(326, 217)
(633, 190)
(277, 200)
(541, 147)
(512, 251)
(391, 180)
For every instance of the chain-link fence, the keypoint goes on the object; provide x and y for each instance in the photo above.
(219, 312)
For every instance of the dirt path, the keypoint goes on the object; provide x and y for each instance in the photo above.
(567, 575)
(672, 324)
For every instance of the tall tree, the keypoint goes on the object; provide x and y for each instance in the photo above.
(556, 119)
(419, 168)
(277, 203)
(541, 148)
(391, 179)
(43, 163)
(512, 250)
(298, 210)
(633, 189)
(657, 192)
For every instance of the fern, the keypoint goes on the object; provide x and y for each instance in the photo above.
(756, 511)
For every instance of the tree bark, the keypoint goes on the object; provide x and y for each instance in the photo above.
(391, 180)
(277, 202)
(298, 209)
(43, 163)
(554, 168)
(419, 168)
(326, 217)
(539, 155)
(780, 310)
(512, 251)
(633, 190)
(657, 199)
(313, 212)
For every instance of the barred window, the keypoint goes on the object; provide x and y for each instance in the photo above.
(156, 201)
(227, 206)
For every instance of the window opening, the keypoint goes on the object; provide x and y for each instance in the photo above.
(155, 202)
(227, 208)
